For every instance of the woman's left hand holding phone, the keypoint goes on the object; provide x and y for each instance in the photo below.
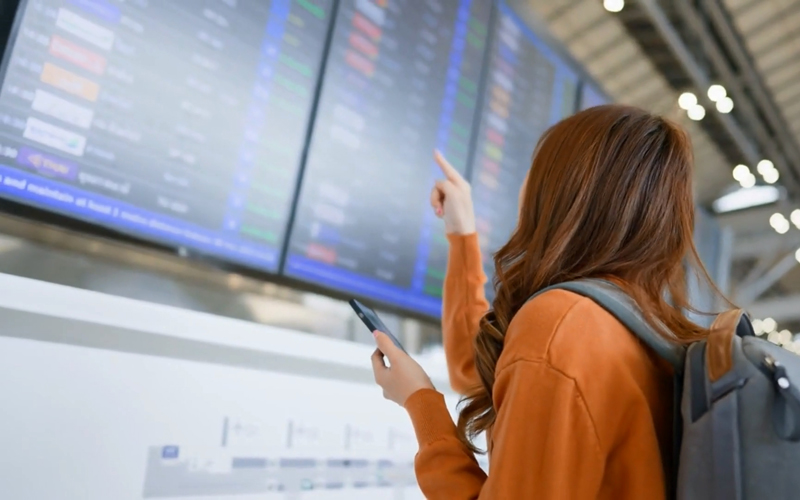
(452, 201)
(403, 377)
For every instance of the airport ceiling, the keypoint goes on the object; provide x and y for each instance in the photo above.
(652, 51)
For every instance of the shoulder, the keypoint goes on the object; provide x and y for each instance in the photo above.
(569, 332)
(574, 340)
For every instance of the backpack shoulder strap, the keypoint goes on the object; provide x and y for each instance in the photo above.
(611, 298)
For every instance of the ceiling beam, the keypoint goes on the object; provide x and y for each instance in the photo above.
(781, 309)
(791, 111)
(650, 91)
(610, 72)
(761, 266)
(786, 145)
(787, 75)
(788, 38)
(600, 50)
(788, 93)
(746, 295)
(697, 75)
(561, 10)
(633, 79)
(587, 28)
(746, 7)
(778, 87)
(769, 22)
(756, 246)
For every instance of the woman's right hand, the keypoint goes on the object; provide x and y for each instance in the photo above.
(451, 199)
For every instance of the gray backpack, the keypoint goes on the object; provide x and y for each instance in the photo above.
(737, 419)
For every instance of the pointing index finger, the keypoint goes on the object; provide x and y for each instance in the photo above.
(448, 170)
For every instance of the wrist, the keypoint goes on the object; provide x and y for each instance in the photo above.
(461, 229)
(421, 393)
(429, 416)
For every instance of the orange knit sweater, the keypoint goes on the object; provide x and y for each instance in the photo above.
(583, 409)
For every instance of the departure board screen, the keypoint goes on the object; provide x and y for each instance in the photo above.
(528, 89)
(591, 96)
(181, 121)
(402, 79)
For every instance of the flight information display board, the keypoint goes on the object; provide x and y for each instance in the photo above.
(528, 89)
(402, 79)
(591, 96)
(179, 121)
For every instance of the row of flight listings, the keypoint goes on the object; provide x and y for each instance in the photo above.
(190, 124)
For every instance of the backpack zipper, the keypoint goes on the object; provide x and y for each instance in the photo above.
(777, 371)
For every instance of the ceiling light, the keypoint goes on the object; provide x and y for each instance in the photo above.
(768, 171)
(749, 181)
(771, 177)
(774, 337)
(765, 166)
(717, 92)
(696, 112)
(779, 223)
(758, 327)
(776, 219)
(740, 172)
(613, 5)
(795, 217)
(746, 198)
(725, 105)
(785, 337)
(687, 100)
(770, 325)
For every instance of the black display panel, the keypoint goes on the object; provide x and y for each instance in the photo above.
(402, 79)
(182, 122)
(528, 89)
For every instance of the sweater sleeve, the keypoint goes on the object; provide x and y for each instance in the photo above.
(463, 306)
(545, 444)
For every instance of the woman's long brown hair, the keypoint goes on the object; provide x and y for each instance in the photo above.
(609, 195)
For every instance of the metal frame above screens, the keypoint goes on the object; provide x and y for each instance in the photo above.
(80, 227)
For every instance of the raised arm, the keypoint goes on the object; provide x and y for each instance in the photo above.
(464, 305)
(464, 300)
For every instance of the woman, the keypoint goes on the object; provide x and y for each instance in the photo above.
(573, 405)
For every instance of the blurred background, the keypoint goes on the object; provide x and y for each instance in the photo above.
(191, 190)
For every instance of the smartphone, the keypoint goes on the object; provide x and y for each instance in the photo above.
(373, 322)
